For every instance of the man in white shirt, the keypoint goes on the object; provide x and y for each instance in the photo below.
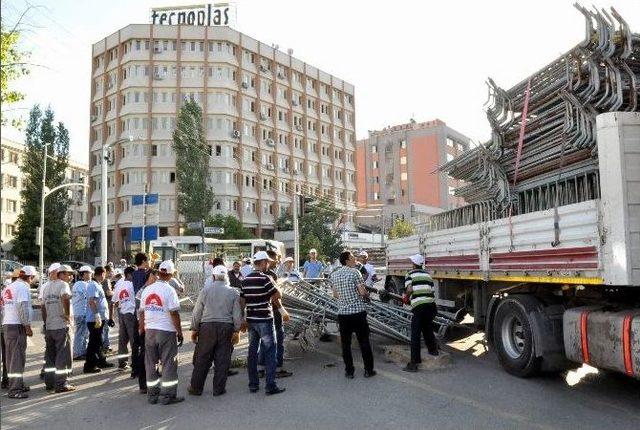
(56, 313)
(160, 323)
(124, 298)
(16, 326)
(370, 271)
(246, 268)
(52, 273)
(79, 305)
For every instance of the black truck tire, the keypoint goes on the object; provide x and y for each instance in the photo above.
(513, 336)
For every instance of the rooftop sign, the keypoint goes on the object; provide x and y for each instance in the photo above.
(223, 14)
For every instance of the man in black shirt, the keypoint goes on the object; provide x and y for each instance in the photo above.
(258, 293)
(235, 277)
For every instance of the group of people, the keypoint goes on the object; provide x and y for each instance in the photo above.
(145, 301)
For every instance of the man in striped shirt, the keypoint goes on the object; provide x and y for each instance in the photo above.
(258, 293)
(419, 288)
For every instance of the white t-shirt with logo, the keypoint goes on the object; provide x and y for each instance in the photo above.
(13, 294)
(124, 295)
(157, 300)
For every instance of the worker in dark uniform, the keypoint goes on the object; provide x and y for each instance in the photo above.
(420, 292)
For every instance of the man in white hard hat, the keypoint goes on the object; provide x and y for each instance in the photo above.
(79, 304)
(124, 298)
(160, 322)
(246, 267)
(313, 267)
(16, 326)
(52, 274)
(420, 293)
(367, 269)
(215, 325)
(258, 294)
(56, 313)
(289, 272)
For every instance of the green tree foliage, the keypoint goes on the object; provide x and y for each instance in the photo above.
(42, 131)
(195, 197)
(12, 67)
(233, 228)
(401, 228)
(315, 230)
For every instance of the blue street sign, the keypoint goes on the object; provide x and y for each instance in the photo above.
(150, 200)
(150, 233)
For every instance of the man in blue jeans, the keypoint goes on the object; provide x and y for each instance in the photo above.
(258, 294)
(79, 302)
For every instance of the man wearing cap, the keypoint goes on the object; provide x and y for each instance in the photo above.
(258, 294)
(288, 272)
(215, 325)
(419, 290)
(97, 314)
(56, 313)
(79, 305)
(348, 288)
(367, 270)
(312, 268)
(278, 316)
(247, 268)
(16, 326)
(160, 321)
(125, 300)
(52, 273)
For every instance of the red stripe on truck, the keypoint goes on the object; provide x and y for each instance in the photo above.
(584, 338)
(626, 344)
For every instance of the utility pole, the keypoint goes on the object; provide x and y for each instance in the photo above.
(382, 227)
(296, 239)
(144, 217)
(43, 195)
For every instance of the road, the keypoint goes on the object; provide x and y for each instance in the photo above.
(473, 394)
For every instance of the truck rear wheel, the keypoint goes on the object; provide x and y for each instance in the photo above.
(513, 337)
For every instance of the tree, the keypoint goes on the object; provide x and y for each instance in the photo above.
(195, 197)
(12, 67)
(401, 228)
(42, 131)
(233, 228)
(316, 230)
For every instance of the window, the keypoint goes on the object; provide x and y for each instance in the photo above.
(374, 149)
(376, 196)
(172, 177)
(449, 157)
(403, 144)
(403, 160)
(403, 176)
(374, 165)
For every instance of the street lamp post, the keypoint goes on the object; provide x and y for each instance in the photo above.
(46, 193)
(103, 197)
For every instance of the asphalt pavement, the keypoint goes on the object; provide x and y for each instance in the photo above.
(475, 393)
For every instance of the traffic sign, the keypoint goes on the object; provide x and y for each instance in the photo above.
(194, 225)
(213, 230)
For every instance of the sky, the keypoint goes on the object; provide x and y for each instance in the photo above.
(407, 59)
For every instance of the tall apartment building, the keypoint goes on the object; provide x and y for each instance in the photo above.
(11, 201)
(397, 170)
(275, 125)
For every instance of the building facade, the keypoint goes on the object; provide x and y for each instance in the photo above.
(11, 201)
(397, 171)
(274, 125)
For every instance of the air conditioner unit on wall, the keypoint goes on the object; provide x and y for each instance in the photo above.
(270, 167)
(263, 117)
(270, 142)
(294, 102)
(244, 85)
(262, 68)
(299, 127)
(236, 134)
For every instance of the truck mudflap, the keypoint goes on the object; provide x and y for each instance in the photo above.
(602, 338)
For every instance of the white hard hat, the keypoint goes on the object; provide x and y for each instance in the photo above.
(85, 269)
(261, 255)
(417, 259)
(220, 270)
(54, 267)
(28, 270)
(167, 266)
(313, 251)
(364, 254)
(288, 259)
(65, 268)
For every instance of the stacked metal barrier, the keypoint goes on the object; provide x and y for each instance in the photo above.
(311, 306)
(558, 163)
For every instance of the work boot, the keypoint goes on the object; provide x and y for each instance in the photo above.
(194, 392)
(153, 400)
(410, 367)
(276, 390)
(370, 373)
(170, 400)
(92, 370)
(283, 373)
(66, 388)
